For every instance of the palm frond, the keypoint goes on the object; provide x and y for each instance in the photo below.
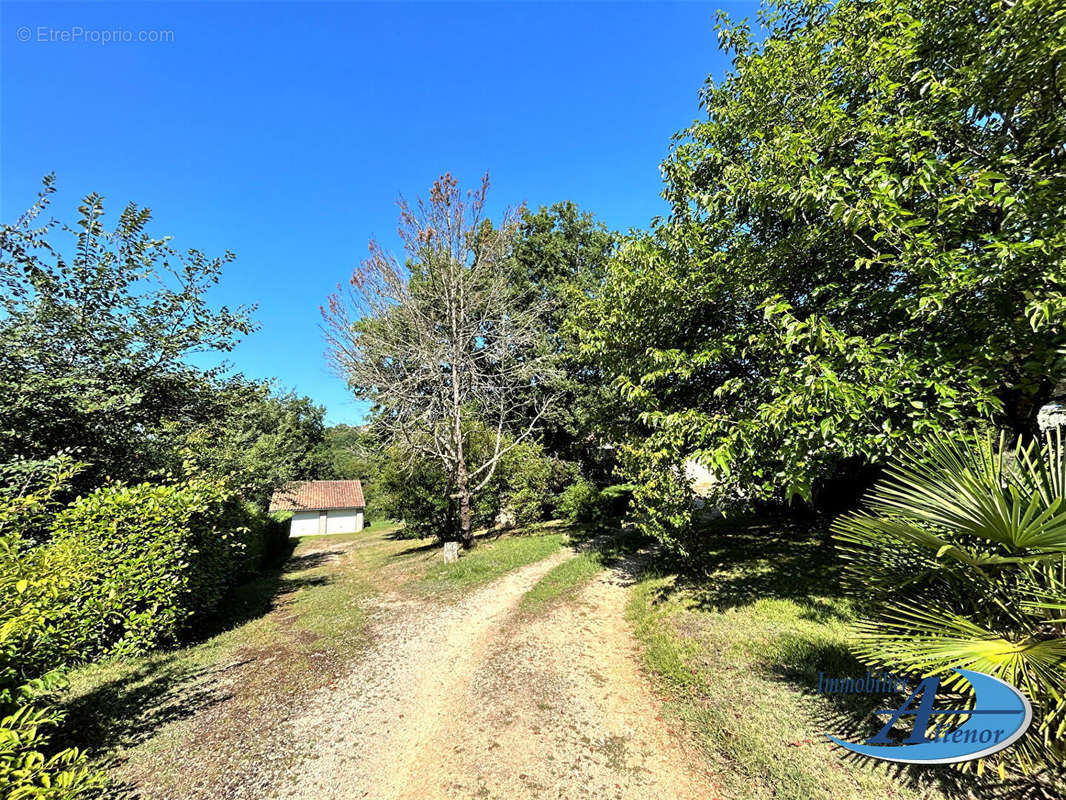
(1006, 495)
(961, 553)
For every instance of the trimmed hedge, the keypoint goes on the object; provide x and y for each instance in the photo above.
(148, 559)
(126, 569)
(131, 568)
(267, 541)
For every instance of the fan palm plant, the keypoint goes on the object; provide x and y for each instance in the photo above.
(961, 552)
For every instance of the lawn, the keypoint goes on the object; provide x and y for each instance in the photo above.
(492, 557)
(737, 651)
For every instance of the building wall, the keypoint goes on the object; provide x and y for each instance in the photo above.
(1052, 416)
(304, 523)
(348, 520)
(311, 523)
(701, 478)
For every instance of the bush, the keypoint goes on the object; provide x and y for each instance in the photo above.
(961, 558)
(119, 571)
(416, 488)
(583, 502)
(26, 771)
(664, 503)
(33, 638)
(579, 501)
(148, 560)
(520, 489)
(28, 632)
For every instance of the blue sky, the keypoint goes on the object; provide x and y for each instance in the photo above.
(284, 132)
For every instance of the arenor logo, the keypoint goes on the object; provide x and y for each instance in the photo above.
(999, 717)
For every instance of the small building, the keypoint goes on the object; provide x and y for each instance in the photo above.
(321, 506)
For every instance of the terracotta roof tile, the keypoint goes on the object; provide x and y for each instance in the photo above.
(317, 495)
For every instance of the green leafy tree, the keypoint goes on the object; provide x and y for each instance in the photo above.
(256, 440)
(560, 259)
(347, 452)
(94, 336)
(866, 242)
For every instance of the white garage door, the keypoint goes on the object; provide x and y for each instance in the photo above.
(304, 523)
(344, 521)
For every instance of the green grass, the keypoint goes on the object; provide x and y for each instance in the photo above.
(601, 548)
(737, 652)
(562, 582)
(491, 559)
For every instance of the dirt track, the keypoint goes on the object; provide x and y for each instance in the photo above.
(475, 700)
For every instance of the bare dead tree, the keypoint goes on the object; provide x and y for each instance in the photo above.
(441, 341)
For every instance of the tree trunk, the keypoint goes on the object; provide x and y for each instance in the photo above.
(466, 532)
(462, 479)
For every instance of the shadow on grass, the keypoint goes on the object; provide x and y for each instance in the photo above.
(745, 561)
(620, 548)
(741, 561)
(124, 712)
(168, 686)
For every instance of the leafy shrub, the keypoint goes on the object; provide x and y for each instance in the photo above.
(121, 570)
(615, 500)
(663, 498)
(962, 554)
(27, 641)
(26, 771)
(32, 589)
(579, 501)
(148, 560)
(276, 545)
(30, 494)
(416, 489)
(520, 488)
(582, 501)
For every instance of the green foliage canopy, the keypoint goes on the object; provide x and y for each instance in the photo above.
(867, 242)
(560, 258)
(255, 439)
(94, 337)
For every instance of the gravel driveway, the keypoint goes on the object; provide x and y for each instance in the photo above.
(476, 700)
